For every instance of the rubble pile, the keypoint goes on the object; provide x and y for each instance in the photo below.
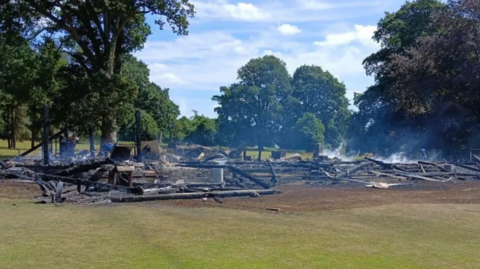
(115, 179)
(206, 174)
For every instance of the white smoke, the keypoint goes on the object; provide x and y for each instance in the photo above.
(337, 153)
(399, 157)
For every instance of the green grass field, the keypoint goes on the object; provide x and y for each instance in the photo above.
(22, 146)
(158, 236)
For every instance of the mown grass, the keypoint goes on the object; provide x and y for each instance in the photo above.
(22, 146)
(156, 236)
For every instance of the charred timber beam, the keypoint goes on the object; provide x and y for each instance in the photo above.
(352, 170)
(421, 167)
(83, 168)
(434, 164)
(138, 131)
(199, 165)
(253, 179)
(92, 143)
(401, 173)
(274, 175)
(193, 195)
(39, 145)
(77, 181)
(385, 165)
(45, 136)
(468, 168)
(153, 191)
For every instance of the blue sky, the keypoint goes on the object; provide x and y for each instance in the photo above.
(225, 34)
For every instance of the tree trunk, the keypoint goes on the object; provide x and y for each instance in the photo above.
(7, 123)
(11, 126)
(260, 149)
(109, 134)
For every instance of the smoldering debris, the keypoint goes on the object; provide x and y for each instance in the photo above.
(203, 173)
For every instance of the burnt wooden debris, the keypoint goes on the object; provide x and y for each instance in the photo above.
(121, 178)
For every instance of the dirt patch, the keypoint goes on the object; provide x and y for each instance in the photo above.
(11, 189)
(314, 198)
(308, 198)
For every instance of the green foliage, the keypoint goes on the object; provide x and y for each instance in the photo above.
(254, 105)
(308, 132)
(204, 131)
(381, 124)
(268, 108)
(179, 129)
(437, 79)
(18, 71)
(80, 103)
(149, 128)
(150, 98)
(95, 35)
(46, 85)
(320, 93)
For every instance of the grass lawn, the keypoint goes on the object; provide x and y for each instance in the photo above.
(23, 146)
(159, 236)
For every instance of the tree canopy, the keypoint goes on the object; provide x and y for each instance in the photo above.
(95, 35)
(267, 107)
(425, 72)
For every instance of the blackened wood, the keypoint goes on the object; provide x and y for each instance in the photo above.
(192, 195)
(46, 129)
(83, 168)
(251, 178)
(39, 145)
(274, 175)
(138, 131)
(92, 143)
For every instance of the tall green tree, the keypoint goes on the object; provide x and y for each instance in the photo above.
(437, 79)
(320, 93)
(18, 71)
(380, 122)
(151, 99)
(254, 104)
(148, 131)
(96, 34)
(307, 132)
(49, 61)
(204, 131)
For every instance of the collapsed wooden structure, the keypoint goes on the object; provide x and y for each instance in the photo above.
(108, 180)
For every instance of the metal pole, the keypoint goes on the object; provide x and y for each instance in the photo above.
(138, 138)
(92, 144)
(46, 127)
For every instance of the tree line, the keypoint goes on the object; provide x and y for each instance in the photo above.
(77, 57)
(426, 91)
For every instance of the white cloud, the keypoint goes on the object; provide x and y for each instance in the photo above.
(288, 29)
(284, 11)
(223, 9)
(314, 4)
(360, 33)
(195, 66)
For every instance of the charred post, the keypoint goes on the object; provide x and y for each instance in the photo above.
(137, 135)
(46, 127)
(92, 143)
